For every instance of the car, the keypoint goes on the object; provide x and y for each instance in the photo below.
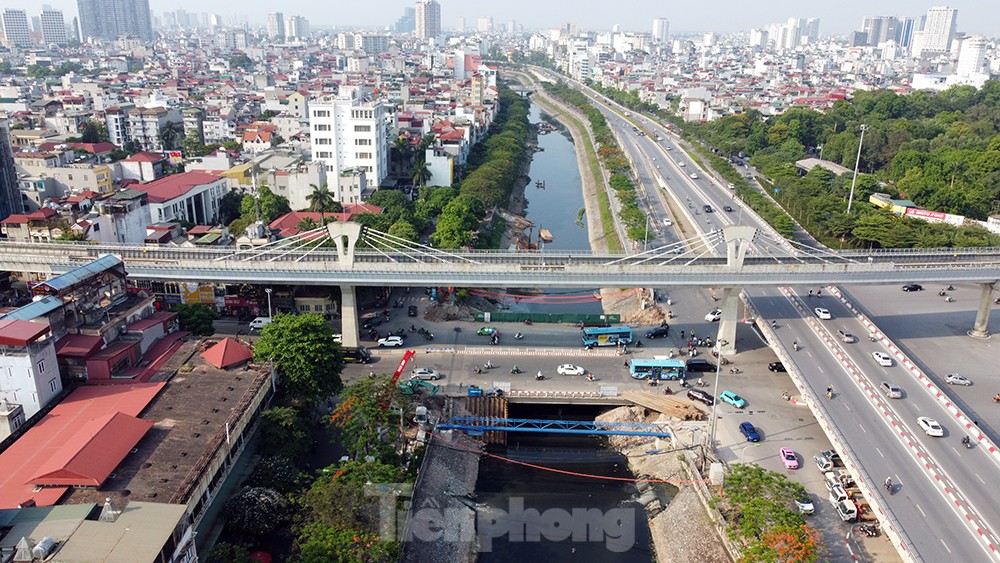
(373, 322)
(411, 311)
(681, 164)
(890, 390)
(701, 396)
(882, 359)
(846, 337)
(658, 332)
(913, 287)
(789, 458)
(694, 176)
(732, 399)
(390, 342)
(930, 426)
(713, 316)
(805, 505)
(749, 432)
(259, 323)
(823, 314)
(731, 186)
(776, 366)
(955, 379)
(570, 369)
(698, 365)
(727, 208)
(426, 373)
(486, 331)
(707, 208)
(668, 223)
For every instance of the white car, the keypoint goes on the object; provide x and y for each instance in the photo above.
(259, 323)
(681, 164)
(955, 379)
(390, 342)
(668, 223)
(822, 313)
(930, 426)
(883, 359)
(569, 369)
(425, 373)
(713, 316)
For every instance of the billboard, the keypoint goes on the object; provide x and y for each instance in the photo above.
(176, 157)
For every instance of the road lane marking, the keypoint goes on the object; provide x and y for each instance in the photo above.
(980, 478)
(922, 513)
(879, 452)
(945, 545)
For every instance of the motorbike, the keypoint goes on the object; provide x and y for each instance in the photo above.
(428, 335)
(516, 370)
(488, 365)
(458, 329)
(942, 293)
(795, 346)
(967, 442)
(949, 299)
(951, 288)
(735, 370)
(477, 370)
(539, 376)
(414, 329)
(871, 338)
(527, 321)
(869, 530)
(518, 336)
(668, 391)
(638, 343)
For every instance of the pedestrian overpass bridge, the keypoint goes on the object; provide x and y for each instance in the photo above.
(349, 255)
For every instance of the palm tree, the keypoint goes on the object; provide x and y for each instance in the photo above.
(321, 199)
(401, 148)
(421, 173)
(307, 224)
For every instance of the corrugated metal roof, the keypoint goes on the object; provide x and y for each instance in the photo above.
(34, 310)
(76, 275)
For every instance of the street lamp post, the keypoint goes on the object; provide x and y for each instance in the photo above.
(857, 163)
(268, 292)
(645, 235)
(715, 392)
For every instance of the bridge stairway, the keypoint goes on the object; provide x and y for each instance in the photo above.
(489, 407)
(666, 404)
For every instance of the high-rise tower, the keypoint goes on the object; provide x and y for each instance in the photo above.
(428, 19)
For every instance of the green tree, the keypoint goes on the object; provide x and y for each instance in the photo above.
(233, 145)
(276, 472)
(229, 207)
(94, 132)
(420, 173)
(255, 511)
(307, 224)
(70, 236)
(322, 199)
(404, 230)
(223, 552)
(196, 318)
(303, 350)
(338, 497)
(272, 205)
(284, 431)
(318, 543)
(241, 61)
(365, 425)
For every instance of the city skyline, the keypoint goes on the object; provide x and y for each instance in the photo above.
(975, 18)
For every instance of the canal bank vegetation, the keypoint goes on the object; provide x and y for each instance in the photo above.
(613, 159)
(292, 498)
(757, 505)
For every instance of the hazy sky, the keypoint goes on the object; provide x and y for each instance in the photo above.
(836, 17)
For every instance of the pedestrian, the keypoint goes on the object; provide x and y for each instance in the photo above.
(690, 341)
(625, 364)
(692, 333)
(819, 292)
(682, 334)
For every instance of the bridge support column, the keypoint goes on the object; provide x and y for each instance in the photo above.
(348, 317)
(730, 318)
(982, 327)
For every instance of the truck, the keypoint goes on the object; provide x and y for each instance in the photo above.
(847, 511)
(839, 476)
(827, 460)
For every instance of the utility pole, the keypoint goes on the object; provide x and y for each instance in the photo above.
(857, 162)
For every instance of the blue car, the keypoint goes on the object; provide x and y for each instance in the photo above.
(749, 432)
(733, 399)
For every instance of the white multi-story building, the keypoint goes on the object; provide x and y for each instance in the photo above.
(939, 29)
(485, 24)
(29, 374)
(296, 27)
(428, 19)
(16, 32)
(122, 218)
(972, 57)
(275, 25)
(53, 27)
(146, 126)
(350, 133)
(189, 196)
(661, 30)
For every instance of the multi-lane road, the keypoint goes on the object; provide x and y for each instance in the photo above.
(942, 502)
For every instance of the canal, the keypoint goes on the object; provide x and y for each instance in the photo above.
(558, 208)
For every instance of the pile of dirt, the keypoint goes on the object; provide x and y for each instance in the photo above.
(629, 414)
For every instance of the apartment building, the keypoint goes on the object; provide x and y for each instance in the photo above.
(350, 133)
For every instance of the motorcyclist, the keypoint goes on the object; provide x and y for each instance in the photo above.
(795, 345)
(888, 484)
(829, 390)
(774, 324)
(965, 440)
(539, 375)
(515, 369)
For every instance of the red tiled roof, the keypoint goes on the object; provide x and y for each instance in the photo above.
(176, 185)
(21, 333)
(92, 453)
(287, 223)
(226, 353)
(23, 459)
(145, 157)
(78, 345)
(156, 318)
(95, 148)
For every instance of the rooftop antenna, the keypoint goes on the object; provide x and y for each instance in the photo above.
(108, 513)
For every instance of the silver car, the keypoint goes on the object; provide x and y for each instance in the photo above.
(891, 391)
(425, 373)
